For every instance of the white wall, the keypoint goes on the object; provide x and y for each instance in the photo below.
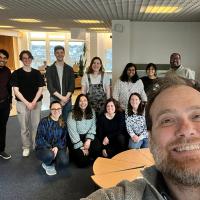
(155, 41)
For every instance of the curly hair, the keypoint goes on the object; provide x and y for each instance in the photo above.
(141, 106)
(124, 76)
(90, 70)
(78, 113)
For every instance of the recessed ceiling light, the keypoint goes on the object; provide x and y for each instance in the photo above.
(88, 21)
(50, 27)
(26, 20)
(6, 26)
(2, 7)
(160, 9)
(98, 29)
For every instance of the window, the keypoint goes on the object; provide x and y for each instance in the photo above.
(108, 60)
(75, 51)
(38, 50)
(52, 45)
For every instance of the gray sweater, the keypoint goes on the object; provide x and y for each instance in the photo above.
(140, 189)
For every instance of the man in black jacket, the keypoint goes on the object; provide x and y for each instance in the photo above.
(60, 81)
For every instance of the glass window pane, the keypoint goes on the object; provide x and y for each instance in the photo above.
(52, 45)
(38, 50)
(108, 62)
(75, 51)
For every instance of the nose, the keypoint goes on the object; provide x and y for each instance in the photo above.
(185, 128)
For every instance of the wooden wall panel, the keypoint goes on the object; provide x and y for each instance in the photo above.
(6, 42)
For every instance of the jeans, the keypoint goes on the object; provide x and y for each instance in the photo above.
(138, 145)
(47, 157)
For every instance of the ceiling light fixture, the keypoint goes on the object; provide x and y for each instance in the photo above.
(160, 9)
(82, 21)
(26, 20)
(2, 7)
(6, 26)
(50, 27)
(98, 29)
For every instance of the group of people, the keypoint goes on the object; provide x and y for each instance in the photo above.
(100, 123)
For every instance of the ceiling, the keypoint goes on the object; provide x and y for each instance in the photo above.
(61, 13)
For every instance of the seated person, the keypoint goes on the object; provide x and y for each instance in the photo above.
(136, 123)
(51, 140)
(110, 129)
(81, 125)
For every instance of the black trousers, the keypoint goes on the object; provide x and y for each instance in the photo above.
(116, 145)
(4, 114)
(94, 151)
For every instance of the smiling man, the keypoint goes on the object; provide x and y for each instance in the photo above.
(178, 69)
(173, 120)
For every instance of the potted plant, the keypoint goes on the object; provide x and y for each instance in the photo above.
(82, 61)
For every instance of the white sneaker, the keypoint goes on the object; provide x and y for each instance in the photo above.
(50, 169)
(26, 153)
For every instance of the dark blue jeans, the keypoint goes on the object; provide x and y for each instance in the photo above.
(47, 157)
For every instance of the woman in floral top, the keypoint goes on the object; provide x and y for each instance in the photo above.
(135, 122)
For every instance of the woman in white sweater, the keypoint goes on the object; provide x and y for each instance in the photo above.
(127, 84)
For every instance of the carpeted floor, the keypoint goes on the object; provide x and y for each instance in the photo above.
(25, 179)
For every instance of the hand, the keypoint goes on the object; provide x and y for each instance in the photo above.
(135, 138)
(87, 144)
(34, 104)
(62, 103)
(105, 141)
(29, 105)
(85, 152)
(55, 151)
(104, 153)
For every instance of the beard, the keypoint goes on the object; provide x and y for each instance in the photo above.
(180, 172)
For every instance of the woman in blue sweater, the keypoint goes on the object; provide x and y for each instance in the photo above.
(51, 140)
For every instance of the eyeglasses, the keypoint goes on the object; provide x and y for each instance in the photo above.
(56, 109)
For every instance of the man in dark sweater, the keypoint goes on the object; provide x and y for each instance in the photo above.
(5, 100)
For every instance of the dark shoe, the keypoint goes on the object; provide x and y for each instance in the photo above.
(4, 155)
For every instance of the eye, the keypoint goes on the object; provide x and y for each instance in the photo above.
(196, 117)
(167, 122)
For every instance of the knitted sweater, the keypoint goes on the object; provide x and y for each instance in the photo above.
(151, 187)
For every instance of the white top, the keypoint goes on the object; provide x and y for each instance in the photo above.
(95, 80)
(123, 90)
(183, 72)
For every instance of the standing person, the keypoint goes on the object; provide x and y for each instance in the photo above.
(96, 84)
(178, 69)
(128, 83)
(5, 100)
(51, 140)
(111, 129)
(136, 123)
(27, 84)
(60, 81)
(173, 119)
(151, 78)
(81, 125)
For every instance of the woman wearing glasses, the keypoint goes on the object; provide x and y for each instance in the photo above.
(51, 140)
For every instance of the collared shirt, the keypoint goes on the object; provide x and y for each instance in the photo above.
(183, 72)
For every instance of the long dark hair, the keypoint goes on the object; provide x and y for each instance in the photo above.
(116, 104)
(152, 65)
(124, 77)
(61, 121)
(141, 106)
(77, 113)
(90, 70)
